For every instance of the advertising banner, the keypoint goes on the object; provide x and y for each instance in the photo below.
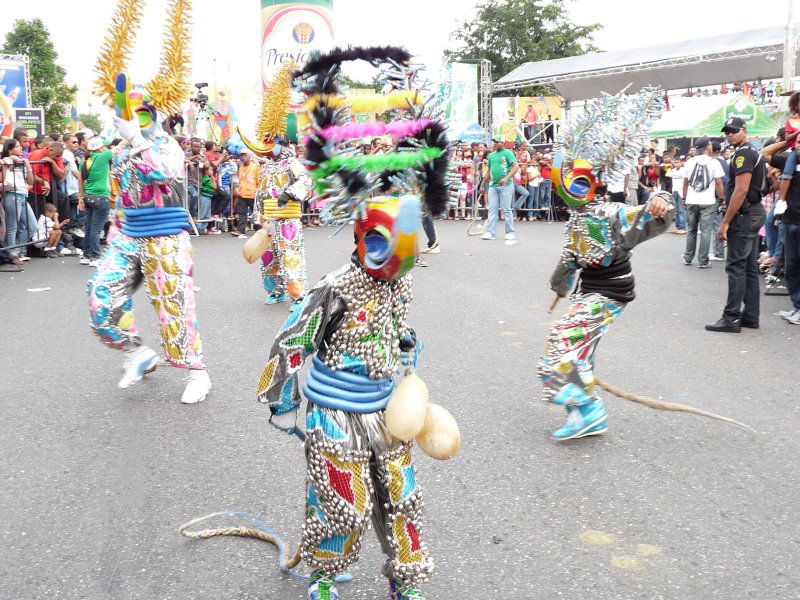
(30, 119)
(14, 86)
(460, 97)
(291, 29)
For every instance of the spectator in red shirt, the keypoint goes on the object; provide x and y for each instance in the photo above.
(531, 118)
(45, 163)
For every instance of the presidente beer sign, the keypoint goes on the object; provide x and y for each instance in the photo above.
(291, 30)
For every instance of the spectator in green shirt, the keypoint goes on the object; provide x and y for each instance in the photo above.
(204, 206)
(94, 196)
(502, 167)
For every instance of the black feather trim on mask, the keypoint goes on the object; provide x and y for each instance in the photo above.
(432, 174)
(327, 66)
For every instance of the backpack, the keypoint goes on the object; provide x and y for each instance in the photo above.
(700, 177)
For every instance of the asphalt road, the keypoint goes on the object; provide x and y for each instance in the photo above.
(97, 480)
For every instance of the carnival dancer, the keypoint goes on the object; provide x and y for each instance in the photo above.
(153, 246)
(600, 235)
(283, 186)
(354, 326)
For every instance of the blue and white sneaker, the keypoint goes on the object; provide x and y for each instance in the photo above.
(582, 421)
(321, 587)
(275, 298)
(141, 361)
(407, 592)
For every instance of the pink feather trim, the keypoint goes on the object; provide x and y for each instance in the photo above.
(399, 129)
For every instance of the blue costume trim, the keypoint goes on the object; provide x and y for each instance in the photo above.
(350, 392)
(153, 222)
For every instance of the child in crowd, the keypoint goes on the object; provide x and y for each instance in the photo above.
(792, 129)
(48, 234)
(207, 187)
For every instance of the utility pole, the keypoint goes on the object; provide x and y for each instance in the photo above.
(789, 51)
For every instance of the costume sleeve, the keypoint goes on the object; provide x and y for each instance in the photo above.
(562, 281)
(635, 225)
(299, 337)
(300, 184)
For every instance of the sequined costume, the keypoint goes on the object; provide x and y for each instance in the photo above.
(599, 237)
(597, 250)
(353, 325)
(284, 184)
(153, 245)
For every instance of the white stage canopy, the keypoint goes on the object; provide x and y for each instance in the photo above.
(740, 56)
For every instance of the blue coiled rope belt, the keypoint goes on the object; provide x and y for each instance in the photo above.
(345, 390)
(154, 222)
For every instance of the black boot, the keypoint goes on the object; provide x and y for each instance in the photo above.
(725, 326)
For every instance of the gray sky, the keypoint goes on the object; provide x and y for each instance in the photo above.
(227, 40)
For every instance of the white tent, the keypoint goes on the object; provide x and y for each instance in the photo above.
(739, 56)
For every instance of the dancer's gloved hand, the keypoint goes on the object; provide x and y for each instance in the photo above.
(130, 131)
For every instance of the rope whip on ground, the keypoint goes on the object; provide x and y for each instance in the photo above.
(661, 405)
(658, 404)
(261, 531)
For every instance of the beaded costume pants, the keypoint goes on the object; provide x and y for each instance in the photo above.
(165, 264)
(356, 471)
(567, 367)
(283, 266)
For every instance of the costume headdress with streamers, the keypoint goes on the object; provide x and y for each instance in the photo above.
(386, 225)
(603, 142)
(275, 107)
(169, 88)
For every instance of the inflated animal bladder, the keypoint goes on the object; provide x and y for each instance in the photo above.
(440, 437)
(256, 246)
(405, 412)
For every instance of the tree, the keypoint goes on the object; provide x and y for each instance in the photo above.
(91, 121)
(48, 87)
(512, 32)
(353, 83)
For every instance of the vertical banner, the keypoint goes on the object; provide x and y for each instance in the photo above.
(290, 30)
(460, 97)
(14, 86)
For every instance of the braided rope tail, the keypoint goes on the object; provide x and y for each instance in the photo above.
(661, 405)
(261, 531)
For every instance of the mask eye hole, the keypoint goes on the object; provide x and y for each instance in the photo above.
(378, 243)
(580, 185)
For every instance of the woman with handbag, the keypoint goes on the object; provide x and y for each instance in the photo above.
(95, 197)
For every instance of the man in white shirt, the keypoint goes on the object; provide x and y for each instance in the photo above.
(701, 184)
(616, 188)
(71, 166)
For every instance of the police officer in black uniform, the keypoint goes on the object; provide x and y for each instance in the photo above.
(743, 218)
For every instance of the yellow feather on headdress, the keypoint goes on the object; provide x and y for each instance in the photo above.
(113, 58)
(171, 87)
(275, 104)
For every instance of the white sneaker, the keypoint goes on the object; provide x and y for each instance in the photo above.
(94, 263)
(487, 236)
(24, 258)
(795, 318)
(197, 387)
(141, 361)
(84, 260)
(78, 233)
(242, 236)
(787, 313)
(713, 257)
(510, 236)
(65, 252)
(432, 249)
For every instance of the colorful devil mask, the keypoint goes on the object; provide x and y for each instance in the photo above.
(575, 184)
(386, 239)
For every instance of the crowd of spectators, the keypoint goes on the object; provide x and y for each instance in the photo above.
(761, 93)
